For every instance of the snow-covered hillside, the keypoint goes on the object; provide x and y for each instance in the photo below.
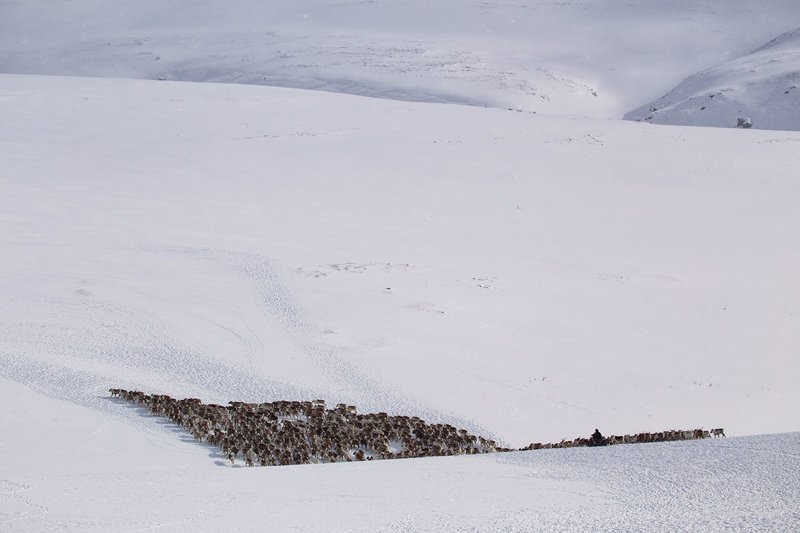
(524, 277)
(527, 274)
(763, 86)
(66, 468)
(599, 58)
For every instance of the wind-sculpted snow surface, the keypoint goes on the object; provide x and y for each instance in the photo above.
(762, 87)
(742, 484)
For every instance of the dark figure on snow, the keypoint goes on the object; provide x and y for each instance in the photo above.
(597, 439)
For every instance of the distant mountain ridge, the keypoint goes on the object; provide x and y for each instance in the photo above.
(763, 86)
(592, 58)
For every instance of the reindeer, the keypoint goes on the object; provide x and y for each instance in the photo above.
(293, 432)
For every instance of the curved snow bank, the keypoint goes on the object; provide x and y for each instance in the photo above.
(763, 86)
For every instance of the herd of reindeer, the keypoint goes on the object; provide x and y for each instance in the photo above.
(294, 432)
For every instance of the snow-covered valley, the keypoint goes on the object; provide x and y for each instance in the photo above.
(596, 58)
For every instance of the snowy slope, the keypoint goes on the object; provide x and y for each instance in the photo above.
(66, 468)
(528, 276)
(763, 85)
(525, 277)
(599, 58)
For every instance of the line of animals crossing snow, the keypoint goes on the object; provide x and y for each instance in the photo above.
(597, 439)
(294, 432)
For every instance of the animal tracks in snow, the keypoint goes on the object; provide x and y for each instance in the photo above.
(211, 321)
(354, 268)
(485, 282)
(428, 308)
(15, 505)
